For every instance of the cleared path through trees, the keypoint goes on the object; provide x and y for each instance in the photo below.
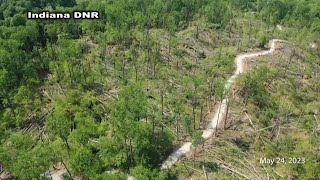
(218, 116)
(221, 110)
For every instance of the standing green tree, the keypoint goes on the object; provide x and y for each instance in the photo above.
(60, 122)
(221, 93)
(128, 110)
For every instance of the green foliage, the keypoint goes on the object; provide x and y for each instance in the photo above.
(267, 117)
(187, 122)
(218, 13)
(243, 144)
(221, 89)
(253, 85)
(108, 175)
(112, 153)
(210, 166)
(24, 161)
(72, 79)
(142, 173)
(59, 123)
(130, 107)
(81, 160)
(197, 138)
(141, 147)
(296, 147)
(18, 20)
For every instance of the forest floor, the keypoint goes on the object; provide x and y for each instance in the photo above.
(235, 152)
(192, 49)
(221, 112)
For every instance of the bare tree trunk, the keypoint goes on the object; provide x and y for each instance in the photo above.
(225, 119)
(70, 73)
(246, 100)
(69, 173)
(84, 72)
(218, 117)
(169, 45)
(197, 32)
(136, 70)
(201, 112)
(194, 114)
(154, 69)
(123, 67)
(177, 65)
(131, 152)
(153, 126)
(177, 126)
(290, 60)
(204, 172)
(162, 115)
(148, 59)
(67, 144)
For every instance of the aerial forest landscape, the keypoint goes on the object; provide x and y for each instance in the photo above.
(160, 89)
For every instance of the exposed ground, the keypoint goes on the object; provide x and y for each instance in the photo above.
(234, 153)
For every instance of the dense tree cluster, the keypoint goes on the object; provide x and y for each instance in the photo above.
(105, 97)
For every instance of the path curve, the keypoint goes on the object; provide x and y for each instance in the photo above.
(219, 114)
(218, 117)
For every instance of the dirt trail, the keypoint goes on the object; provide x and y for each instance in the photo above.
(57, 172)
(220, 113)
(57, 175)
(214, 122)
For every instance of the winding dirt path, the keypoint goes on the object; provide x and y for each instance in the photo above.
(218, 116)
(221, 110)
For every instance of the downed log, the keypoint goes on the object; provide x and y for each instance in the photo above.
(254, 168)
(204, 172)
(253, 172)
(251, 123)
(234, 171)
(196, 170)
